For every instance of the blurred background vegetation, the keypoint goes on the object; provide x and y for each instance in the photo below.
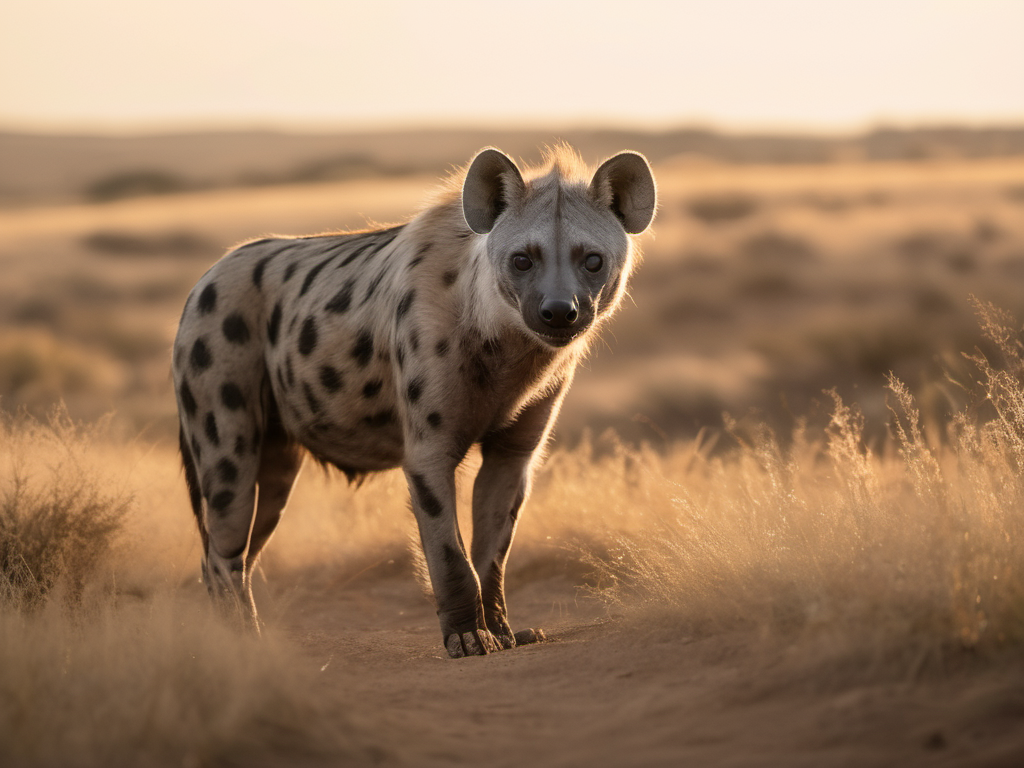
(780, 266)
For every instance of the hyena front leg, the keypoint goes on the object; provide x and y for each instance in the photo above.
(499, 491)
(431, 476)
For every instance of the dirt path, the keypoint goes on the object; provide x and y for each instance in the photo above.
(601, 694)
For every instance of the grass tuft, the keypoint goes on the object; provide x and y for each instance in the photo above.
(58, 520)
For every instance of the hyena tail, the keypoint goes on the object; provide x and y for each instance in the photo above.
(195, 495)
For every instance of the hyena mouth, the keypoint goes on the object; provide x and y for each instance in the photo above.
(560, 339)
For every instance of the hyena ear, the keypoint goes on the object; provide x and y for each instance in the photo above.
(625, 184)
(492, 183)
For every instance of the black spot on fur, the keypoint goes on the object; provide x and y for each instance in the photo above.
(235, 329)
(227, 471)
(188, 401)
(388, 236)
(311, 275)
(415, 260)
(340, 244)
(208, 299)
(274, 326)
(200, 358)
(363, 350)
(441, 348)
(240, 446)
(372, 288)
(211, 429)
(290, 270)
(307, 336)
(232, 397)
(311, 401)
(257, 271)
(372, 388)
(449, 278)
(414, 340)
(380, 419)
(428, 502)
(359, 251)
(404, 304)
(414, 390)
(434, 419)
(342, 299)
(222, 500)
(330, 378)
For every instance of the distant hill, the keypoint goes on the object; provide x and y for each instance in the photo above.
(43, 168)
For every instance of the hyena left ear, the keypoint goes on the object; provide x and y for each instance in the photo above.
(492, 183)
(625, 184)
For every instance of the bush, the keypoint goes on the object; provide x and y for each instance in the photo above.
(133, 184)
(57, 519)
(722, 208)
(114, 242)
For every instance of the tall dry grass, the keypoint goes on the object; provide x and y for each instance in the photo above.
(890, 559)
(106, 656)
(893, 559)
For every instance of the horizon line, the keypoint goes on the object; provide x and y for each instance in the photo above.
(152, 128)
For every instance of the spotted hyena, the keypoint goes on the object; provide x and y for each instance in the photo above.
(404, 347)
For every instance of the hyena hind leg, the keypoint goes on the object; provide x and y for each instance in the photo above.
(280, 461)
(227, 486)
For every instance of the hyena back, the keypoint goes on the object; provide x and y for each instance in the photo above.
(404, 347)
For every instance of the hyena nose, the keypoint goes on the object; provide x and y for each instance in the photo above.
(559, 313)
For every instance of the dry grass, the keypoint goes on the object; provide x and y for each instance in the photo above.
(158, 682)
(57, 523)
(105, 657)
(887, 561)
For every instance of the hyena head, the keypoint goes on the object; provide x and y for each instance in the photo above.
(559, 241)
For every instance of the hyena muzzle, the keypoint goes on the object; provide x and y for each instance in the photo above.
(406, 346)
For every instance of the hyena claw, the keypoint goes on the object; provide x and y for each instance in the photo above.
(479, 642)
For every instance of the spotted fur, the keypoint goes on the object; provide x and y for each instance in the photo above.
(403, 347)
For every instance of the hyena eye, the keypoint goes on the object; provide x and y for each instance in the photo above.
(593, 263)
(522, 262)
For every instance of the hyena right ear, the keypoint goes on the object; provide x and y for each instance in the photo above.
(625, 184)
(492, 182)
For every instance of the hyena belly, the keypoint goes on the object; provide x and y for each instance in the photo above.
(329, 364)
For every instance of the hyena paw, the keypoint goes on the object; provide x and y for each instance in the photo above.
(479, 642)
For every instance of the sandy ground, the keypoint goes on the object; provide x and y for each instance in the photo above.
(605, 690)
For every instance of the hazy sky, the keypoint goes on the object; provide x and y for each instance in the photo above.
(822, 64)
